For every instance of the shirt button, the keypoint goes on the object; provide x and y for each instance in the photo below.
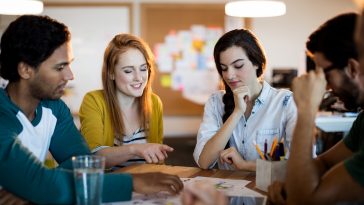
(244, 125)
(243, 141)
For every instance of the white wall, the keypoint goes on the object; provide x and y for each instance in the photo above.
(92, 28)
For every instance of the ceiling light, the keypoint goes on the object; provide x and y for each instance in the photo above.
(255, 8)
(19, 7)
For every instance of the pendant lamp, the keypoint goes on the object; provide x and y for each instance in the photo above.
(20, 7)
(255, 8)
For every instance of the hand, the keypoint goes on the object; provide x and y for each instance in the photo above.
(308, 90)
(149, 183)
(241, 97)
(200, 193)
(152, 152)
(277, 193)
(6, 198)
(233, 157)
(327, 102)
(339, 106)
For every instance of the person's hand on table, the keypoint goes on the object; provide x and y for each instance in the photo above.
(148, 183)
(277, 193)
(152, 152)
(233, 157)
(7, 198)
(201, 193)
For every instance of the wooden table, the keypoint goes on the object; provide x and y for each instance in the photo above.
(190, 172)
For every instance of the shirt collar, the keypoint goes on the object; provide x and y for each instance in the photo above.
(264, 93)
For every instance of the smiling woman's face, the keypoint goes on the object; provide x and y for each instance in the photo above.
(131, 73)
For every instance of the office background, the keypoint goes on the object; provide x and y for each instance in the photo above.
(93, 24)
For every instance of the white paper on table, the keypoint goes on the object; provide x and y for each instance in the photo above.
(231, 187)
(162, 198)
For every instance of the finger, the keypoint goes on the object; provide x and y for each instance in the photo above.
(221, 199)
(170, 189)
(165, 154)
(148, 158)
(275, 191)
(221, 160)
(221, 157)
(240, 89)
(271, 194)
(178, 183)
(160, 156)
(282, 194)
(246, 98)
(175, 181)
(167, 148)
(187, 198)
(204, 192)
(154, 158)
(226, 158)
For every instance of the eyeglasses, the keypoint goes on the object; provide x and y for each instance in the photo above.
(330, 68)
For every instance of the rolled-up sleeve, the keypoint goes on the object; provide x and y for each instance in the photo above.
(211, 123)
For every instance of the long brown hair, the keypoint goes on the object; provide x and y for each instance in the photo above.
(118, 45)
(249, 42)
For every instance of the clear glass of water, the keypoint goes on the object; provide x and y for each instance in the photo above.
(88, 174)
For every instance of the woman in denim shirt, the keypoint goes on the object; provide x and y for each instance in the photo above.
(248, 111)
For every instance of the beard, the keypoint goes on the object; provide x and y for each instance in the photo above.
(44, 91)
(350, 96)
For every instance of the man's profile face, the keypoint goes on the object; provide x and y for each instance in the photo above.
(52, 75)
(342, 86)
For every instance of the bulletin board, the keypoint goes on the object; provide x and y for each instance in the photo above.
(157, 20)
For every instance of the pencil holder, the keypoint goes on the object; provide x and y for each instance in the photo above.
(268, 172)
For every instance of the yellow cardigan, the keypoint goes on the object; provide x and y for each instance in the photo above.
(96, 121)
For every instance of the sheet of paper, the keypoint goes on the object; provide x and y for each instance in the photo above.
(161, 198)
(231, 187)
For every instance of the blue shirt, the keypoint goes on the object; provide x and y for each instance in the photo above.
(273, 114)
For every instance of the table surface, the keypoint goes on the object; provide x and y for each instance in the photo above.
(190, 172)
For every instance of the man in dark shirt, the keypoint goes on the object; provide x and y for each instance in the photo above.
(338, 174)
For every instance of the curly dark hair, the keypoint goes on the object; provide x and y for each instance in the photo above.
(250, 44)
(30, 39)
(335, 39)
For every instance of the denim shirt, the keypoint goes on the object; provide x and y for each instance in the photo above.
(274, 114)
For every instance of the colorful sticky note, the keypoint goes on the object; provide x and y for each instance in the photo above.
(166, 80)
